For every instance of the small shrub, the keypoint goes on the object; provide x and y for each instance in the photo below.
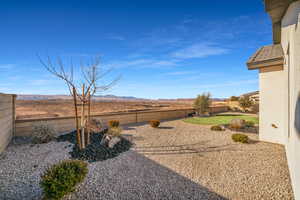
(94, 125)
(245, 102)
(42, 133)
(255, 108)
(154, 123)
(216, 128)
(249, 124)
(236, 109)
(62, 178)
(234, 98)
(114, 131)
(240, 138)
(114, 123)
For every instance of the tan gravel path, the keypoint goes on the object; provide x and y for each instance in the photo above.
(211, 159)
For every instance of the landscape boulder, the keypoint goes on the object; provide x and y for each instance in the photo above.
(237, 124)
(105, 140)
(113, 142)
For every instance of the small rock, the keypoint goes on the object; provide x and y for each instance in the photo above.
(105, 140)
(222, 127)
(113, 142)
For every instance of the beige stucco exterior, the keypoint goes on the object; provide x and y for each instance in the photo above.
(280, 89)
(273, 106)
(290, 40)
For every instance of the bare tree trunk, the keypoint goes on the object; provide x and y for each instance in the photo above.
(89, 118)
(76, 118)
(82, 119)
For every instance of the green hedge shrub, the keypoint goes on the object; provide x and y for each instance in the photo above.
(62, 178)
(240, 138)
(154, 123)
(249, 124)
(114, 123)
(216, 128)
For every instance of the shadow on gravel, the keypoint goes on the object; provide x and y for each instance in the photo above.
(253, 141)
(197, 148)
(133, 176)
(165, 127)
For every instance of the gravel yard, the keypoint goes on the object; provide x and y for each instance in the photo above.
(176, 161)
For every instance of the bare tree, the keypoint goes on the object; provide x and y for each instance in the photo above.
(81, 89)
(202, 103)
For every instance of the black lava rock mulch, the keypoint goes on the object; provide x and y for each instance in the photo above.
(95, 151)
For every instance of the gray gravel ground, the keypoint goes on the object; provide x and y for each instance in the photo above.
(21, 167)
(177, 161)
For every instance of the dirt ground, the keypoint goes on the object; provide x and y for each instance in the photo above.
(28, 109)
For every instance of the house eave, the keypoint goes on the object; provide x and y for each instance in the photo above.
(266, 56)
(265, 63)
(276, 10)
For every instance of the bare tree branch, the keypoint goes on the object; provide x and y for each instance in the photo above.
(90, 73)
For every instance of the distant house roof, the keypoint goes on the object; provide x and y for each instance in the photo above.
(251, 93)
(271, 55)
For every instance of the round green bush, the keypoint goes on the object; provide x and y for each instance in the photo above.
(216, 128)
(154, 123)
(62, 178)
(114, 123)
(249, 124)
(240, 138)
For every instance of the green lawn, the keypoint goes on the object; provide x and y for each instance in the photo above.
(220, 119)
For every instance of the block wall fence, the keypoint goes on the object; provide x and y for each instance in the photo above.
(10, 127)
(7, 119)
(66, 124)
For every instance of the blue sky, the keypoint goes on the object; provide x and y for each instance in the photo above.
(162, 48)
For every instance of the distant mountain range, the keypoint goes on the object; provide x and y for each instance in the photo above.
(33, 97)
(66, 97)
(190, 99)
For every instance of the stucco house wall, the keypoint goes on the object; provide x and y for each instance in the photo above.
(290, 40)
(273, 106)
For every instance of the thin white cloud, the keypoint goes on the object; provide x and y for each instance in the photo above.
(164, 63)
(200, 50)
(178, 73)
(229, 84)
(86, 55)
(7, 66)
(41, 82)
(142, 63)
